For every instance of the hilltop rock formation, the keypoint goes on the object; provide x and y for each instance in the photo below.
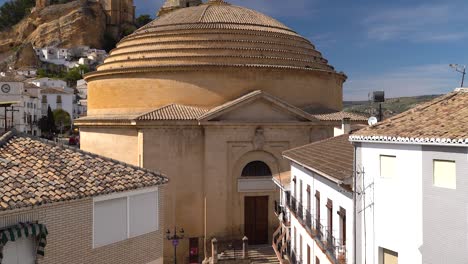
(75, 23)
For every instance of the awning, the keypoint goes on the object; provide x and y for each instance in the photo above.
(32, 230)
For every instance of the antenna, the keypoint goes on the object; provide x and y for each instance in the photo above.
(372, 121)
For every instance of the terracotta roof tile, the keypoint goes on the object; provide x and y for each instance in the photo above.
(53, 91)
(174, 112)
(338, 116)
(34, 172)
(443, 119)
(333, 157)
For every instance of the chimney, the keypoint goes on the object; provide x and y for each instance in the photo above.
(346, 125)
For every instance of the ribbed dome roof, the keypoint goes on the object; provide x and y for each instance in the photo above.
(212, 34)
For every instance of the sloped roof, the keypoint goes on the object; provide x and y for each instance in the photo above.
(332, 157)
(442, 120)
(52, 90)
(35, 172)
(174, 112)
(338, 116)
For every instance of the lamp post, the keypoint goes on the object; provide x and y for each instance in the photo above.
(461, 69)
(174, 237)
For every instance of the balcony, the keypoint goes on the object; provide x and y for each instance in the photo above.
(334, 248)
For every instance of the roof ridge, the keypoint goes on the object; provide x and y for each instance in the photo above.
(420, 107)
(7, 136)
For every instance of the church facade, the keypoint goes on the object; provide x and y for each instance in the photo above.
(211, 95)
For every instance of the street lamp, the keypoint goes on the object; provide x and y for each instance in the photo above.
(461, 69)
(175, 240)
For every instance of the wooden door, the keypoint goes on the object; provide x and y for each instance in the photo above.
(256, 219)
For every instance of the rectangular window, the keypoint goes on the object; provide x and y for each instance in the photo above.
(388, 256)
(445, 174)
(317, 209)
(110, 221)
(342, 214)
(330, 218)
(143, 215)
(317, 260)
(387, 166)
(124, 216)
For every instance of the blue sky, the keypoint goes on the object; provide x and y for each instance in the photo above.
(400, 46)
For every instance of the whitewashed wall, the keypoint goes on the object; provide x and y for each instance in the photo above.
(392, 214)
(328, 190)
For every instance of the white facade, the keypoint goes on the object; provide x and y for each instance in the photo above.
(59, 99)
(407, 212)
(71, 58)
(311, 189)
(27, 110)
(390, 207)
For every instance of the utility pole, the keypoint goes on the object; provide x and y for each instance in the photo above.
(12, 115)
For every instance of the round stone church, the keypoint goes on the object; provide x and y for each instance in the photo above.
(211, 95)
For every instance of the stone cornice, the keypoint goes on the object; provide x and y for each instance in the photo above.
(200, 67)
(314, 63)
(217, 48)
(193, 41)
(249, 32)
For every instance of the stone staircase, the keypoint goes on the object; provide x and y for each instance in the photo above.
(262, 254)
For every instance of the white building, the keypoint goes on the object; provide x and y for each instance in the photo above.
(82, 88)
(413, 185)
(80, 55)
(27, 111)
(28, 72)
(320, 202)
(59, 99)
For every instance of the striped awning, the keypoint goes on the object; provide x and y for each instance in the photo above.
(31, 230)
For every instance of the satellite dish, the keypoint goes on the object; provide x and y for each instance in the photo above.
(372, 121)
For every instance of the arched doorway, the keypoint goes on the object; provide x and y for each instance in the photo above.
(256, 207)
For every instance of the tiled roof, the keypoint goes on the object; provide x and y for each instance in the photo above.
(53, 91)
(338, 116)
(331, 157)
(443, 120)
(283, 178)
(174, 112)
(30, 86)
(35, 172)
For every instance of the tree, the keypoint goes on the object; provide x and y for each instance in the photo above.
(47, 123)
(62, 119)
(12, 11)
(51, 121)
(142, 20)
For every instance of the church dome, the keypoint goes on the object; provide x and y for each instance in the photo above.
(184, 37)
(213, 37)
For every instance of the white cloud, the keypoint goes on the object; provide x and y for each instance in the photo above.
(405, 81)
(426, 23)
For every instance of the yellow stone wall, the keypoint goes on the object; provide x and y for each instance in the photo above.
(211, 87)
(203, 161)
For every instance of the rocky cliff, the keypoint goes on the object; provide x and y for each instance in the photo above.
(75, 23)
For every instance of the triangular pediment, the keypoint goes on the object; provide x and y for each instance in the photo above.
(258, 107)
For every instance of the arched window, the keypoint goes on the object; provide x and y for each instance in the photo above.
(256, 168)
